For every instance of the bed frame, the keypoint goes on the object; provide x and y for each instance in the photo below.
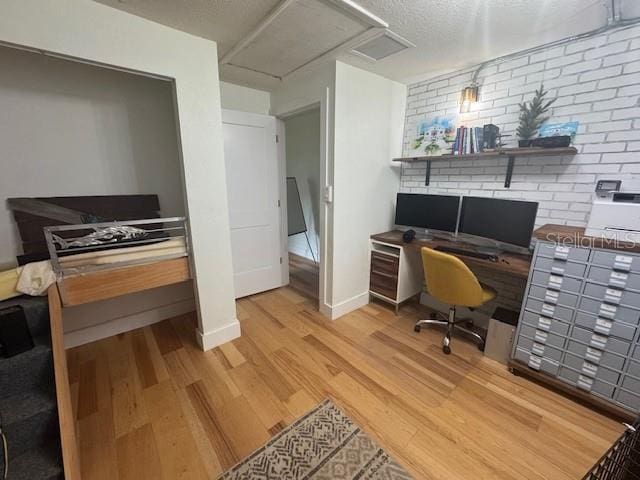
(91, 283)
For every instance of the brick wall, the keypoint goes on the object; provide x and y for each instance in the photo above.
(596, 81)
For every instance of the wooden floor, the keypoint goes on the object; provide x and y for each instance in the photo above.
(150, 404)
(304, 276)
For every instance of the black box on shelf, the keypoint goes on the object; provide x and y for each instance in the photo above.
(490, 136)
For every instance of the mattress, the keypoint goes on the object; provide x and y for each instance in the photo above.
(166, 249)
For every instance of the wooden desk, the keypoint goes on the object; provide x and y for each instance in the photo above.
(509, 263)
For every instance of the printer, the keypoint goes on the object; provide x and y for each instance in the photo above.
(616, 215)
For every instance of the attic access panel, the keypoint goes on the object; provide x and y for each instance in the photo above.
(302, 32)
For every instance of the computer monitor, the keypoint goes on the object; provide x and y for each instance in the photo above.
(507, 221)
(433, 212)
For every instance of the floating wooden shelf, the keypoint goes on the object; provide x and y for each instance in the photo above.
(510, 153)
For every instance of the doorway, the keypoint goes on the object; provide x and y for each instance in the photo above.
(303, 156)
(254, 177)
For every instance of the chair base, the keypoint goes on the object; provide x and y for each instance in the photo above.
(452, 324)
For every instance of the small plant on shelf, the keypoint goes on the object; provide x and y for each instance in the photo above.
(532, 116)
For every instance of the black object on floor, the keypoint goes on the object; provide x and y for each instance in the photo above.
(28, 400)
(15, 336)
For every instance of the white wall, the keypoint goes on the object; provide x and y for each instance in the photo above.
(302, 138)
(87, 30)
(70, 129)
(596, 82)
(366, 138)
(244, 99)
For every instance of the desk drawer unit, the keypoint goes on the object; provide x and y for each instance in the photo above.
(395, 273)
(580, 321)
(385, 264)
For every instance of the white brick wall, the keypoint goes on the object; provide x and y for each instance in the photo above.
(596, 81)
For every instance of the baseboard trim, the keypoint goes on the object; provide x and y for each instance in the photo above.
(125, 324)
(218, 336)
(336, 311)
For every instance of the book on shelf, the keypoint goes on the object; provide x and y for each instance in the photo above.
(468, 140)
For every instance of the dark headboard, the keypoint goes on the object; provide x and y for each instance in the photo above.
(102, 208)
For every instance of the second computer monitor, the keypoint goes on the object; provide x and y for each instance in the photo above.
(433, 212)
(508, 221)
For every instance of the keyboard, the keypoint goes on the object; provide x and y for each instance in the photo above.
(468, 253)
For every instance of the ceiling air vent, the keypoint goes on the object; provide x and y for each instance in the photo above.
(383, 46)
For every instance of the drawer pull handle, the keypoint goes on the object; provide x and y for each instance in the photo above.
(551, 297)
(538, 349)
(544, 323)
(585, 383)
(603, 326)
(541, 337)
(607, 311)
(589, 369)
(557, 270)
(548, 310)
(593, 355)
(622, 262)
(535, 362)
(555, 282)
(598, 341)
(613, 296)
(617, 279)
(561, 253)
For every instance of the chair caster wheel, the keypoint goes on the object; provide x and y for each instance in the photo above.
(446, 349)
(416, 329)
(481, 347)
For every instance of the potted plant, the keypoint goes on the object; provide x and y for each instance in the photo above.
(532, 116)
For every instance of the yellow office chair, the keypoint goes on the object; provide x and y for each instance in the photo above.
(449, 280)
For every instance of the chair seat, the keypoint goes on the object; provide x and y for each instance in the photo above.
(488, 293)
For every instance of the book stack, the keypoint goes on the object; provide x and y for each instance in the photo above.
(468, 140)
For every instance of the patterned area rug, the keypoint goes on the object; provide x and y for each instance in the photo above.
(323, 444)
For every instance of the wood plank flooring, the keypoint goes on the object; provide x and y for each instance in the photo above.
(304, 276)
(150, 404)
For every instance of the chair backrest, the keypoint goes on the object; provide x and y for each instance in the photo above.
(449, 280)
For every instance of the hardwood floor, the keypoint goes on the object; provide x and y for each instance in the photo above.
(150, 404)
(304, 276)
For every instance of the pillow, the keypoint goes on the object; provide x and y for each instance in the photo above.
(8, 281)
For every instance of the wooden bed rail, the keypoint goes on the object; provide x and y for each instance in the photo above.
(104, 284)
(66, 418)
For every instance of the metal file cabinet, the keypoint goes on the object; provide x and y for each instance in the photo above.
(580, 320)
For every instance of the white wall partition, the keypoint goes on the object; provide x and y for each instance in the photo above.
(367, 109)
(94, 33)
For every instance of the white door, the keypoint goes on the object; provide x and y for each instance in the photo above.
(253, 187)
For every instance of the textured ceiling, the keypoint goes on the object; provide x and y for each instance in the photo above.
(448, 34)
(304, 31)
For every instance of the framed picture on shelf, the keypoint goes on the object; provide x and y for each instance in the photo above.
(559, 129)
(434, 137)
